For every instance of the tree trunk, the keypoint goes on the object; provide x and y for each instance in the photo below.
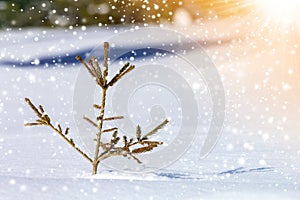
(95, 167)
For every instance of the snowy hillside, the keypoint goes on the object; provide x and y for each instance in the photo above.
(255, 157)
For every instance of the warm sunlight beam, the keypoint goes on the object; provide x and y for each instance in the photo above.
(285, 12)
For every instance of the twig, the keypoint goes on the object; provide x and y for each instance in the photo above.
(59, 127)
(41, 108)
(35, 110)
(98, 69)
(90, 121)
(109, 130)
(70, 142)
(113, 118)
(97, 106)
(46, 122)
(138, 132)
(105, 63)
(135, 158)
(119, 76)
(85, 65)
(33, 124)
(153, 131)
(67, 131)
(98, 76)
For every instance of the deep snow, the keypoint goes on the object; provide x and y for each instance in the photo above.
(256, 157)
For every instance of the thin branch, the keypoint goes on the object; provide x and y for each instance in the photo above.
(98, 69)
(35, 110)
(153, 131)
(118, 76)
(125, 141)
(105, 63)
(33, 124)
(41, 108)
(106, 151)
(85, 65)
(142, 149)
(67, 131)
(97, 106)
(71, 142)
(135, 158)
(98, 76)
(115, 134)
(90, 121)
(45, 120)
(104, 146)
(113, 118)
(109, 130)
(59, 127)
(138, 132)
(115, 141)
(151, 143)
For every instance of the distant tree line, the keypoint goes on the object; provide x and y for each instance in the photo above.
(20, 13)
(62, 13)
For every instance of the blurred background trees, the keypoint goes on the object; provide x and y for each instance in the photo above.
(62, 13)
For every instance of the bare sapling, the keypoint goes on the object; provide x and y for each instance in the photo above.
(129, 147)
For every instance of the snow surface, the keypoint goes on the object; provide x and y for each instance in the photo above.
(256, 157)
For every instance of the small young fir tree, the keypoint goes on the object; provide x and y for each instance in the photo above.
(129, 147)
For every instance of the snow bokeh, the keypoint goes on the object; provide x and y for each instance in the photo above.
(257, 155)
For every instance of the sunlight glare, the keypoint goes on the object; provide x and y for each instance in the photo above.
(281, 11)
